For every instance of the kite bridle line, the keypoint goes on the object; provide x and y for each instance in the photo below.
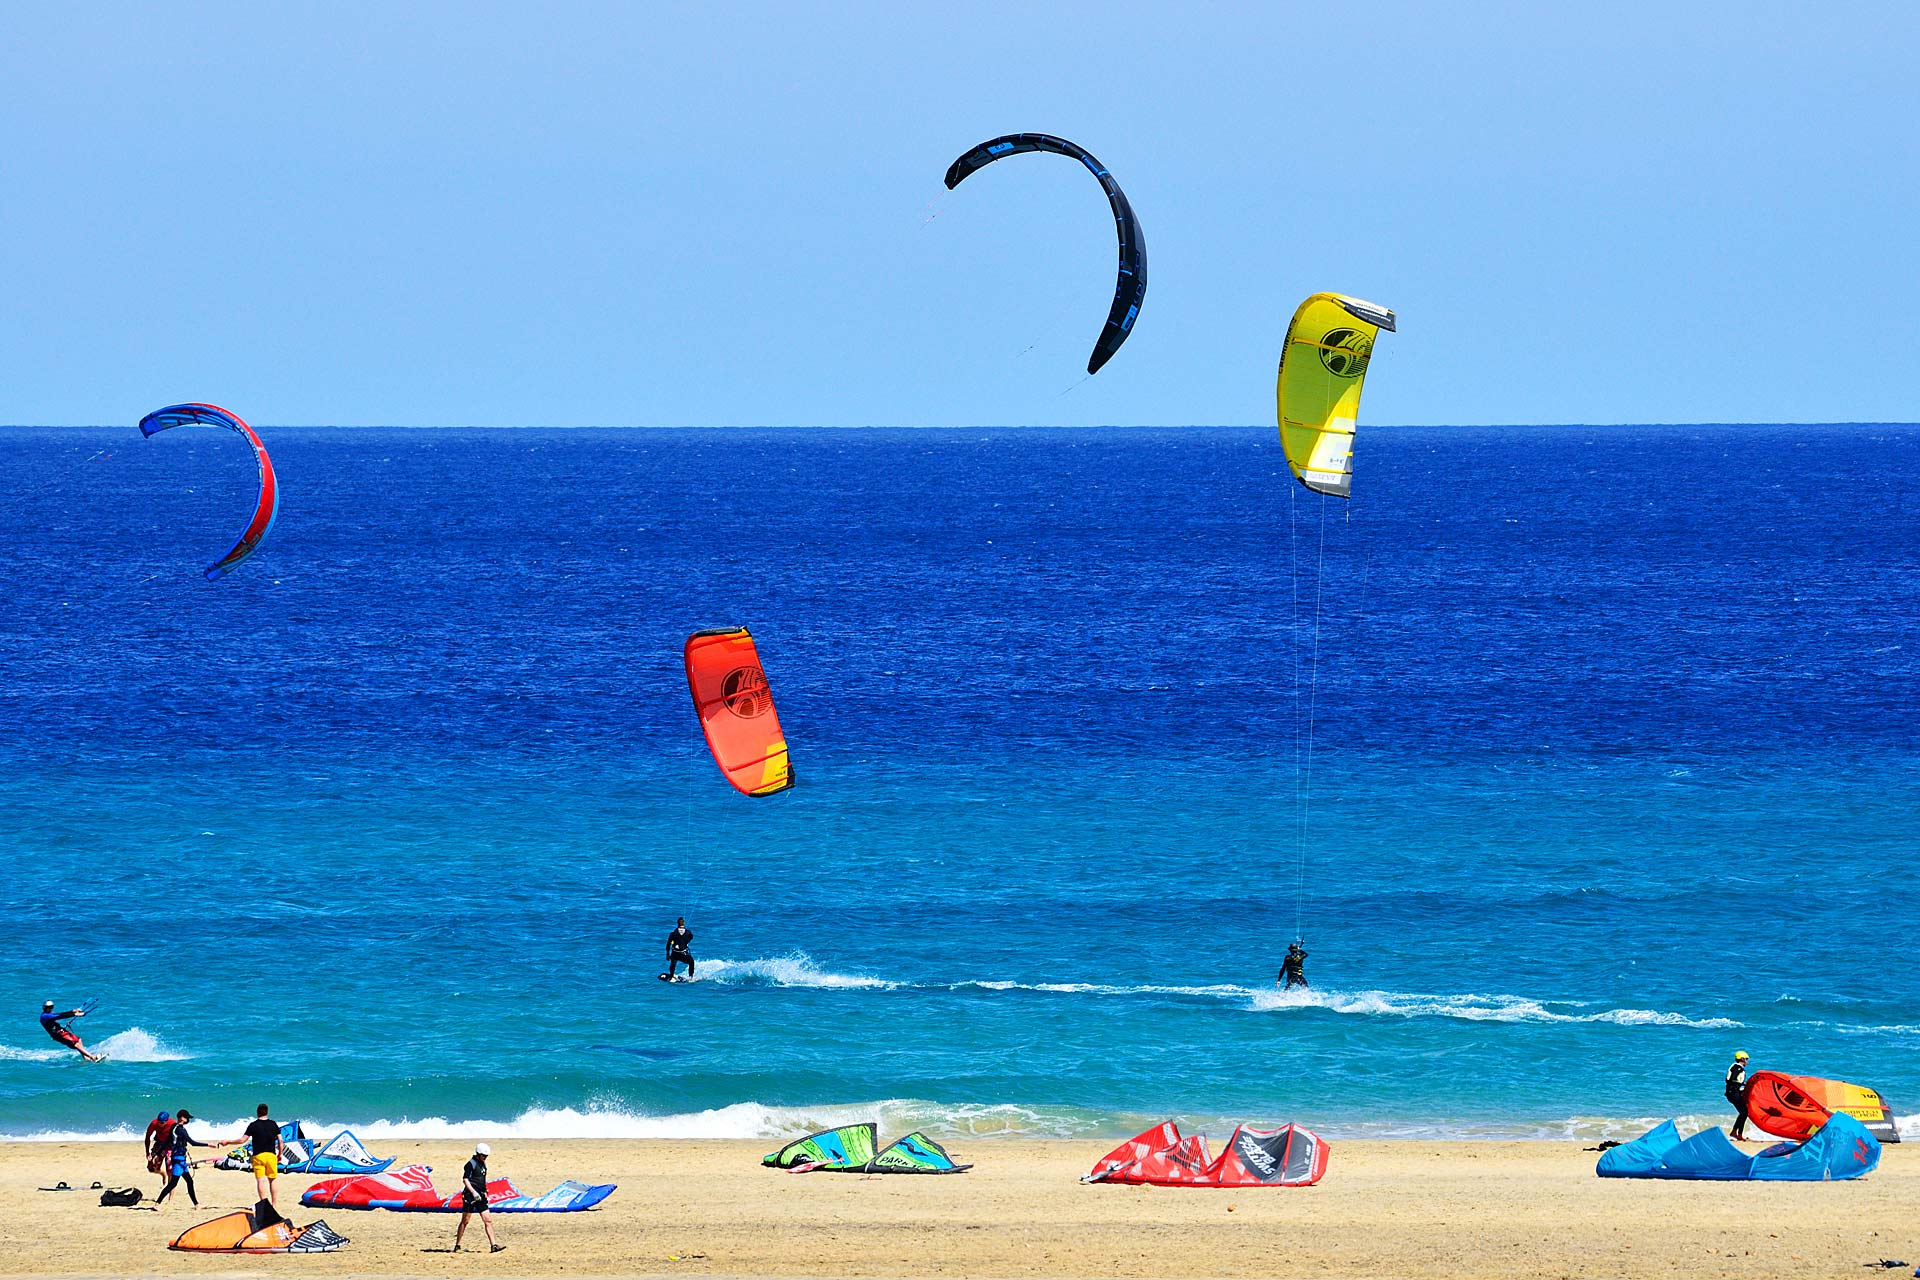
(1313, 702)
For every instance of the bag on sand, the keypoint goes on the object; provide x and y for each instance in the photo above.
(121, 1197)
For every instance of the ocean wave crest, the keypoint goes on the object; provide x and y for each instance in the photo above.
(741, 1120)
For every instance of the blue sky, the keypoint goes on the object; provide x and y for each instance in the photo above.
(665, 215)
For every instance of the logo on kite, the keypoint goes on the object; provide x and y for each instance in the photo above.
(744, 691)
(1345, 352)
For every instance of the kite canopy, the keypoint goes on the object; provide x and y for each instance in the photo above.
(261, 1230)
(735, 706)
(1795, 1106)
(1285, 1157)
(343, 1153)
(294, 1140)
(1841, 1149)
(268, 503)
(850, 1146)
(299, 1153)
(1322, 368)
(850, 1149)
(1130, 289)
(411, 1190)
(915, 1153)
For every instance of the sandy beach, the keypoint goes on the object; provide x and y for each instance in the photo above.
(707, 1208)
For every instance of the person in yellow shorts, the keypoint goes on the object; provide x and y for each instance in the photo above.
(264, 1134)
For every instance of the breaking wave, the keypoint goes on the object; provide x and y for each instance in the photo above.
(741, 1120)
(759, 1122)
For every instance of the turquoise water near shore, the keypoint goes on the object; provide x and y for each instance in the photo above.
(388, 827)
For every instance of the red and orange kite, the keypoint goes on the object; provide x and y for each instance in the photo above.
(735, 707)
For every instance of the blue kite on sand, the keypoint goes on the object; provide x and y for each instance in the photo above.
(1842, 1148)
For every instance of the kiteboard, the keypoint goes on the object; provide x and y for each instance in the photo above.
(674, 978)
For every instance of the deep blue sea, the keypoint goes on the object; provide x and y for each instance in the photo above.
(1613, 772)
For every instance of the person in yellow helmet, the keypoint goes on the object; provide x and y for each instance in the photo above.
(1737, 1094)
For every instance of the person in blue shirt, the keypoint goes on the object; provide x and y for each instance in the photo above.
(55, 1025)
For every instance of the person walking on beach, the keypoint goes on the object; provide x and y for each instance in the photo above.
(155, 1144)
(264, 1134)
(55, 1025)
(1293, 968)
(473, 1198)
(1737, 1094)
(176, 1165)
(679, 948)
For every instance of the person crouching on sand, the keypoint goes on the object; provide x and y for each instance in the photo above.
(473, 1198)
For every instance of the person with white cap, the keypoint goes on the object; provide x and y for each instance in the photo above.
(1737, 1094)
(55, 1025)
(473, 1198)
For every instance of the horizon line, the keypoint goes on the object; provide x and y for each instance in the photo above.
(1005, 426)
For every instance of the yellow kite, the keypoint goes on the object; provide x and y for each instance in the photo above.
(1322, 368)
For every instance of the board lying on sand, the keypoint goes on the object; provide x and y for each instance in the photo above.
(411, 1190)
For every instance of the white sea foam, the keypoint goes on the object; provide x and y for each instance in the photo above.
(131, 1045)
(1471, 1008)
(747, 1120)
(1468, 1007)
(1103, 989)
(796, 969)
(754, 1121)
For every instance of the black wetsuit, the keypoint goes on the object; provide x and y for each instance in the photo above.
(1293, 969)
(679, 944)
(1737, 1095)
(474, 1175)
(177, 1166)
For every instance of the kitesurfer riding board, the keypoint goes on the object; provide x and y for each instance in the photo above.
(54, 1024)
(679, 952)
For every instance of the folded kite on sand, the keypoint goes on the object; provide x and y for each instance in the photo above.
(1842, 1149)
(411, 1190)
(261, 1230)
(1285, 1157)
(850, 1149)
(1794, 1106)
(342, 1153)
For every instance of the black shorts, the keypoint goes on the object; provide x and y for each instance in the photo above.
(472, 1204)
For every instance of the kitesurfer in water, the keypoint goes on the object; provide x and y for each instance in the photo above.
(54, 1024)
(1737, 1094)
(1293, 968)
(679, 948)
